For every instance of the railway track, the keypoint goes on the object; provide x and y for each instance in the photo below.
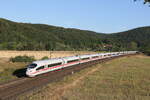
(10, 90)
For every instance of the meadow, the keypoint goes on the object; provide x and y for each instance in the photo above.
(125, 78)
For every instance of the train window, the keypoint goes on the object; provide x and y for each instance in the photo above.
(73, 60)
(32, 65)
(95, 57)
(39, 68)
(56, 64)
(85, 58)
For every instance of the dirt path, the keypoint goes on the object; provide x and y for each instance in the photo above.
(59, 92)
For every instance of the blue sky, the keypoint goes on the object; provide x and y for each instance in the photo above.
(104, 16)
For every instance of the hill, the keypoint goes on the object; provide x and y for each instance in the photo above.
(26, 36)
(132, 39)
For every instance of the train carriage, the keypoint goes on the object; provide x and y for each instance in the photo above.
(44, 66)
(72, 60)
(85, 58)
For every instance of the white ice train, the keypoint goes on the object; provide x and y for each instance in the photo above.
(44, 66)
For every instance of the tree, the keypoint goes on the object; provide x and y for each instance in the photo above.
(133, 46)
(145, 1)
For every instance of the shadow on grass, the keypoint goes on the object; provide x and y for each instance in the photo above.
(20, 73)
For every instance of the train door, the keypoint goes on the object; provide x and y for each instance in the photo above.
(64, 63)
(80, 60)
(40, 69)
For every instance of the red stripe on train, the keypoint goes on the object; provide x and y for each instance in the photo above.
(64, 65)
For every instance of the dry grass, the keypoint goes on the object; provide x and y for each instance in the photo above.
(125, 78)
(7, 69)
(40, 54)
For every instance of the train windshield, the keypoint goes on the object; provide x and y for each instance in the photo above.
(32, 65)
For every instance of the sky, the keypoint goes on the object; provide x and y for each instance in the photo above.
(104, 16)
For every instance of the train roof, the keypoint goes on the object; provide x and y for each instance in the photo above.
(85, 56)
(47, 61)
(57, 60)
(71, 57)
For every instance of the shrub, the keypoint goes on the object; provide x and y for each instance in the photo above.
(147, 52)
(45, 57)
(22, 59)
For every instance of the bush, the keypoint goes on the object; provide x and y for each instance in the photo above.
(147, 52)
(45, 57)
(22, 59)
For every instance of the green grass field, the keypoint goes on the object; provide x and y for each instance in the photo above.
(126, 78)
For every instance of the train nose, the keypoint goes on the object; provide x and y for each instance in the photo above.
(29, 72)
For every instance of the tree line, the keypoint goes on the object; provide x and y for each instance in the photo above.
(26, 36)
